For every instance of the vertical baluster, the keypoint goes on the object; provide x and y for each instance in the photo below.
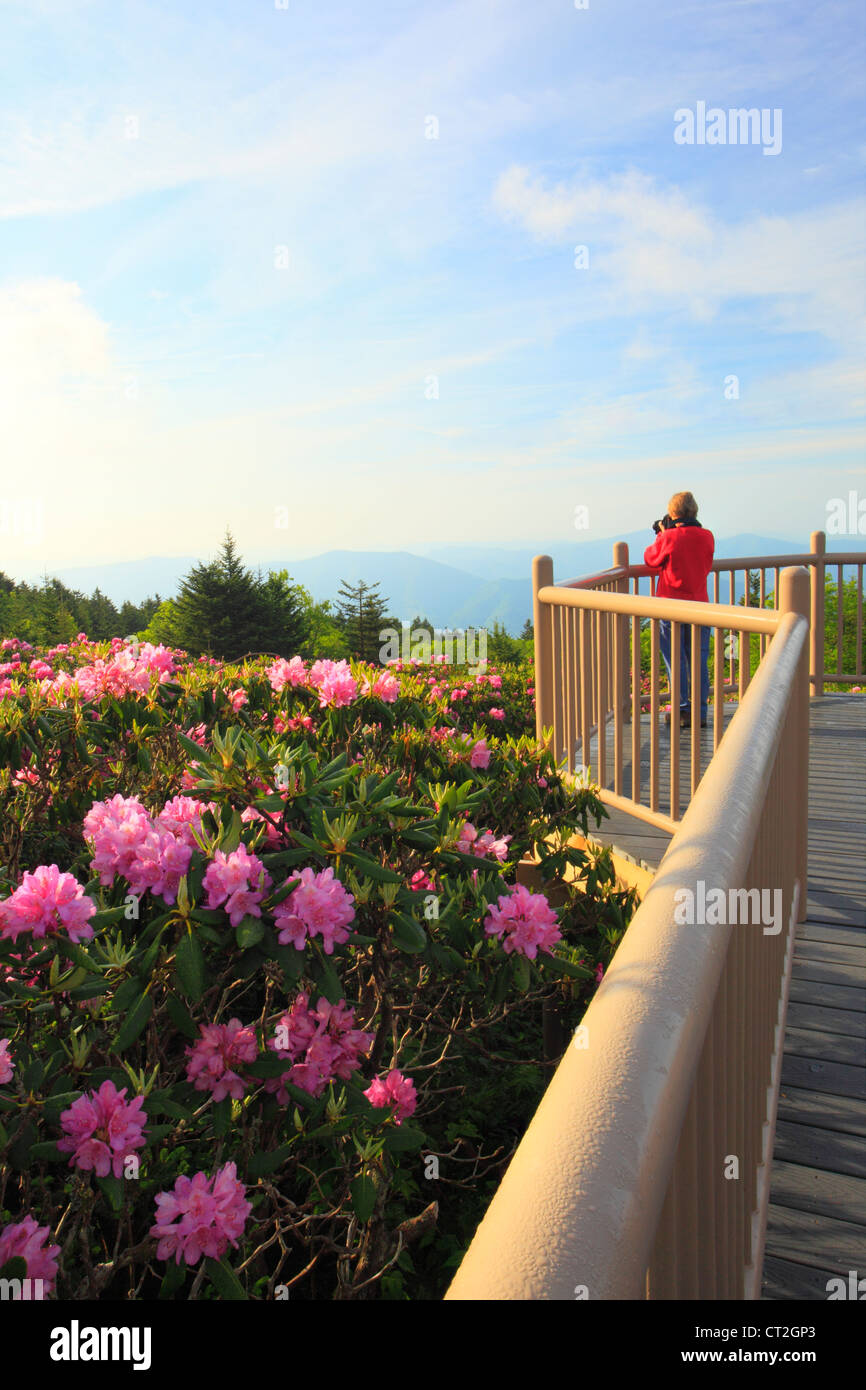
(636, 671)
(654, 714)
(840, 615)
(718, 687)
(618, 689)
(859, 663)
(568, 710)
(696, 706)
(676, 677)
(602, 699)
(556, 619)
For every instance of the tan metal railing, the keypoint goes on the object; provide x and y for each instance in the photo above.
(644, 1172)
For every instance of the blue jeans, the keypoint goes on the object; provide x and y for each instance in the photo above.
(685, 693)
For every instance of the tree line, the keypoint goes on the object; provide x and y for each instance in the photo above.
(223, 609)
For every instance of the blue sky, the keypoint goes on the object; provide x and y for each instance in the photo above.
(237, 275)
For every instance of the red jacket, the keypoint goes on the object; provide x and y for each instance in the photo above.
(685, 556)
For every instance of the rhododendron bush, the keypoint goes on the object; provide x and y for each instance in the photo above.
(271, 989)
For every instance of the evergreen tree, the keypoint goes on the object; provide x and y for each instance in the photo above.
(226, 611)
(363, 616)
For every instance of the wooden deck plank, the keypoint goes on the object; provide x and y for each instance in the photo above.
(833, 1078)
(815, 1016)
(814, 1190)
(817, 1241)
(783, 1279)
(826, 1046)
(845, 1114)
(821, 1148)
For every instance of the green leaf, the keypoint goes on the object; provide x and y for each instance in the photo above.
(263, 1163)
(521, 972)
(222, 1116)
(181, 1017)
(16, 1268)
(558, 966)
(189, 967)
(363, 1197)
(224, 1280)
(403, 1138)
(112, 1189)
(409, 935)
(173, 1279)
(104, 919)
(135, 1022)
(372, 868)
(266, 1067)
(249, 932)
(48, 1152)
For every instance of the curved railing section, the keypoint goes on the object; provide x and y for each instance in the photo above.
(644, 1172)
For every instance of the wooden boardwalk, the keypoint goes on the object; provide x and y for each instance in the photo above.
(816, 1227)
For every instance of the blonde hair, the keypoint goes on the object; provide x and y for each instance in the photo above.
(682, 507)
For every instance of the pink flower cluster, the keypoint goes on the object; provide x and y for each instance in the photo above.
(335, 683)
(101, 1129)
(318, 906)
(322, 1044)
(525, 920)
(480, 755)
(237, 881)
(128, 670)
(24, 1240)
(152, 854)
(215, 1059)
(483, 843)
(397, 1090)
(283, 673)
(201, 1216)
(386, 686)
(7, 1066)
(45, 901)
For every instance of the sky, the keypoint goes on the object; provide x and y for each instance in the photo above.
(403, 275)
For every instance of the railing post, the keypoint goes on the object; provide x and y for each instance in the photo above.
(794, 598)
(620, 560)
(818, 546)
(542, 575)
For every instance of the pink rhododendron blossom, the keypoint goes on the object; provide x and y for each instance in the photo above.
(322, 1044)
(283, 673)
(495, 682)
(387, 687)
(152, 855)
(101, 1129)
(238, 881)
(335, 683)
(46, 901)
(397, 1090)
(525, 920)
(7, 1066)
(215, 1060)
(496, 713)
(480, 755)
(419, 881)
(319, 906)
(483, 843)
(238, 698)
(201, 1216)
(599, 973)
(25, 1240)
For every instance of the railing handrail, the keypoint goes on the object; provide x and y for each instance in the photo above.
(581, 1201)
(760, 620)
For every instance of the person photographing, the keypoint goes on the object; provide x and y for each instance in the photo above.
(683, 554)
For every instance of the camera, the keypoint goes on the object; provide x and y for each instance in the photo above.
(665, 524)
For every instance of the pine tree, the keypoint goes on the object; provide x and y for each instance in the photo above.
(363, 615)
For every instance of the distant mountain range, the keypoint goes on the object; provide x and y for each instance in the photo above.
(453, 586)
